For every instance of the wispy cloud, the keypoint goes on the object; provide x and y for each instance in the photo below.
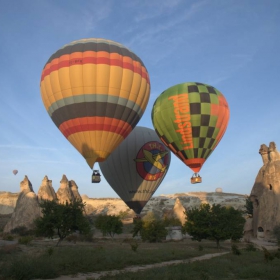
(27, 147)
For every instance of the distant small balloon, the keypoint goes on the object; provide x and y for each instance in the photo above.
(219, 190)
(15, 172)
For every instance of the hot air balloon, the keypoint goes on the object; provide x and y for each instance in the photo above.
(191, 119)
(137, 167)
(95, 91)
(15, 172)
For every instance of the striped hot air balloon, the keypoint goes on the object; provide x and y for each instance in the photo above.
(191, 119)
(95, 91)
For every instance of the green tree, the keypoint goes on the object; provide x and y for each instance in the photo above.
(249, 207)
(109, 225)
(61, 219)
(153, 231)
(216, 222)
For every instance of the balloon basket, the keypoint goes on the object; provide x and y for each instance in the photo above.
(95, 178)
(195, 179)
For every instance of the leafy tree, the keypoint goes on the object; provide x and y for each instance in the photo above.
(61, 219)
(216, 222)
(109, 224)
(249, 207)
(150, 228)
(153, 231)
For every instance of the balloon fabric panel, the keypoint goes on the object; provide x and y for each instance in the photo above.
(95, 85)
(137, 167)
(191, 119)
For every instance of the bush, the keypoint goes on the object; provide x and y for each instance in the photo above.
(25, 240)
(235, 250)
(109, 225)
(250, 248)
(22, 231)
(153, 231)
(7, 237)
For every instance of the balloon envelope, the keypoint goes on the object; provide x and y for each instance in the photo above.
(137, 167)
(95, 91)
(191, 119)
(15, 172)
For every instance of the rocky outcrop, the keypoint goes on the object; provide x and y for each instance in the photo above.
(46, 190)
(8, 202)
(27, 208)
(64, 193)
(265, 193)
(74, 189)
(172, 205)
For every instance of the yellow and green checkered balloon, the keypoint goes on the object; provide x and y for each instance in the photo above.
(191, 119)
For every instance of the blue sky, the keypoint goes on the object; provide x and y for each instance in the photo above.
(232, 45)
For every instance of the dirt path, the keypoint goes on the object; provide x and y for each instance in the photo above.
(97, 275)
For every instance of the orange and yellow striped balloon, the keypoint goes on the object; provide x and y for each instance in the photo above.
(95, 91)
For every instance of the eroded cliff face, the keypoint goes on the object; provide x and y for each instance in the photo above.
(265, 193)
(27, 208)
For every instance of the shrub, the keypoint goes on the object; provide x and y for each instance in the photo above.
(21, 231)
(7, 237)
(250, 247)
(235, 250)
(109, 225)
(134, 246)
(25, 240)
(153, 231)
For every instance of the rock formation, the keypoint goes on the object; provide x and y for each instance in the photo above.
(74, 189)
(46, 191)
(27, 208)
(64, 193)
(8, 202)
(265, 193)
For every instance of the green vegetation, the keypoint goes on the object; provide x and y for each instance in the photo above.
(216, 222)
(109, 225)
(150, 228)
(61, 219)
(249, 207)
(248, 265)
(43, 261)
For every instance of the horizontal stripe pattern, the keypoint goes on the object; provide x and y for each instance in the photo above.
(55, 65)
(101, 109)
(95, 123)
(97, 52)
(75, 99)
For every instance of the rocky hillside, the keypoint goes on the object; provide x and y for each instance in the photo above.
(160, 204)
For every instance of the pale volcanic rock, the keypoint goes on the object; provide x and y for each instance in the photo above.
(74, 189)
(27, 208)
(179, 211)
(108, 206)
(64, 193)
(46, 190)
(265, 193)
(8, 202)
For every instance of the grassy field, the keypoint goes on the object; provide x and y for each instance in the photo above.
(248, 265)
(42, 260)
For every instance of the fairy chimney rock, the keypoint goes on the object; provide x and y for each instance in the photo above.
(64, 193)
(179, 210)
(265, 193)
(74, 189)
(27, 208)
(46, 191)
